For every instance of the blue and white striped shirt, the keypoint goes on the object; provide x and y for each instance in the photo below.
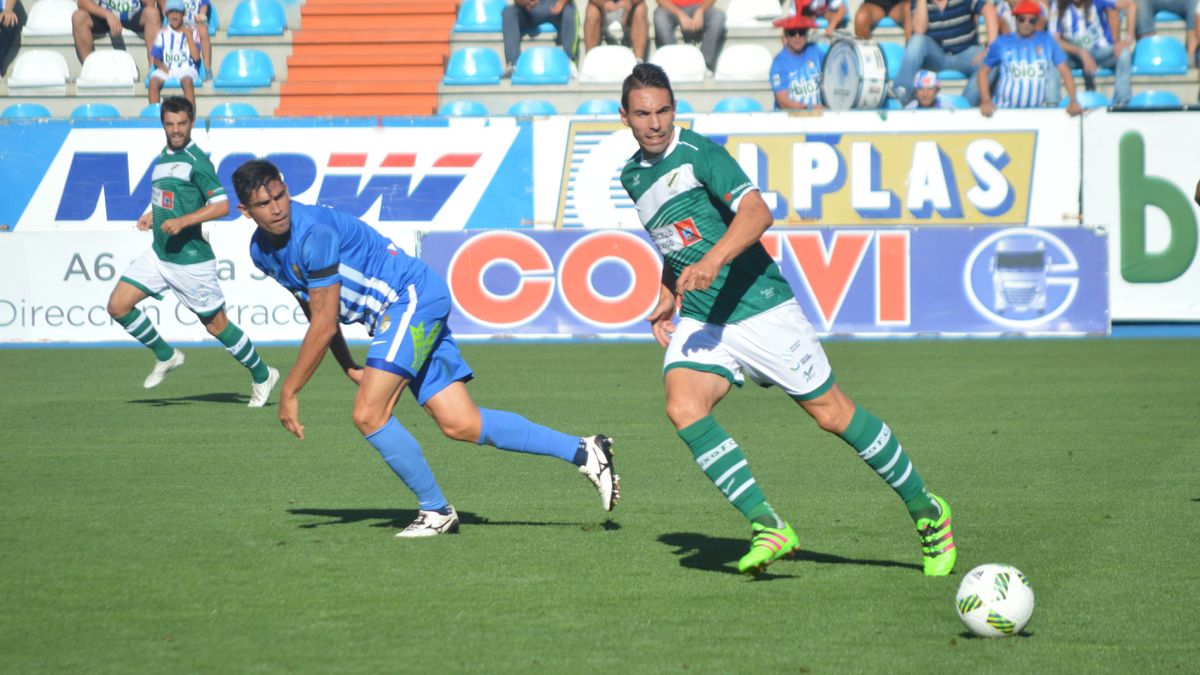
(1089, 30)
(170, 47)
(326, 246)
(1023, 64)
(954, 27)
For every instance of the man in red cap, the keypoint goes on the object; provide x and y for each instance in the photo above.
(796, 70)
(1026, 61)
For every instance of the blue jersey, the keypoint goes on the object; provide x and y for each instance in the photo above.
(798, 74)
(1088, 29)
(954, 27)
(326, 246)
(1022, 65)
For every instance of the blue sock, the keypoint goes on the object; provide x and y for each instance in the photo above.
(510, 431)
(401, 452)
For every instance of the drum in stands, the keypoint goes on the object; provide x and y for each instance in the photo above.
(854, 75)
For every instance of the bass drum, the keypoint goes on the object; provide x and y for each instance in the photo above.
(854, 76)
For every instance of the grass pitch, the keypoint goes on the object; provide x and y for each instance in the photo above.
(175, 530)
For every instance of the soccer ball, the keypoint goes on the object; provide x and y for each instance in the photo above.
(994, 600)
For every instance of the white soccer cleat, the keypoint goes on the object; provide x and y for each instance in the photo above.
(261, 391)
(162, 369)
(599, 469)
(430, 524)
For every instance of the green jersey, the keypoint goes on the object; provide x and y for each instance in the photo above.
(183, 182)
(686, 199)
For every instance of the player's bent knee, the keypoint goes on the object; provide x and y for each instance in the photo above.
(369, 419)
(685, 412)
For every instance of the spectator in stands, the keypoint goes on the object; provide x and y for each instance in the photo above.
(109, 17)
(1147, 9)
(12, 20)
(619, 21)
(1008, 21)
(525, 15)
(796, 70)
(833, 11)
(945, 37)
(1024, 60)
(927, 86)
(697, 20)
(196, 15)
(175, 54)
(1085, 31)
(871, 12)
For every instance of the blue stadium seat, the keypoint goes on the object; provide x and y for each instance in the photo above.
(1100, 72)
(473, 65)
(214, 21)
(893, 54)
(463, 109)
(1164, 15)
(1159, 55)
(531, 107)
(1155, 99)
(892, 104)
(152, 110)
(24, 110)
(1087, 99)
(887, 22)
(682, 107)
(537, 30)
(954, 101)
(598, 106)
(945, 75)
(479, 16)
(236, 109)
(245, 68)
(542, 65)
(737, 104)
(257, 17)
(95, 110)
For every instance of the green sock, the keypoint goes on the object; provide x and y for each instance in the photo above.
(138, 325)
(242, 349)
(722, 461)
(877, 446)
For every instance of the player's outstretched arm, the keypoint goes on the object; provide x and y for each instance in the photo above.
(322, 325)
(752, 220)
(338, 347)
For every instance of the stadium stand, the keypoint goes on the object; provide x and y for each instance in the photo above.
(598, 106)
(738, 104)
(1155, 99)
(38, 71)
(1087, 99)
(50, 18)
(893, 54)
(151, 110)
(751, 13)
(245, 69)
(607, 63)
(108, 69)
(744, 63)
(683, 62)
(479, 16)
(473, 65)
(1159, 55)
(235, 109)
(956, 101)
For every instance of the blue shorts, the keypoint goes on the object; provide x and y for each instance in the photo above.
(412, 340)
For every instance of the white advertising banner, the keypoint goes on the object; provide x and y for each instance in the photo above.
(1139, 180)
(57, 286)
(867, 169)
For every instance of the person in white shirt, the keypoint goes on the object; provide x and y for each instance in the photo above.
(175, 54)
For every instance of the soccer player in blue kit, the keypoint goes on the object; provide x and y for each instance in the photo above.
(341, 269)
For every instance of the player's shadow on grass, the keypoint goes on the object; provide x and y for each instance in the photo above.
(968, 635)
(716, 554)
(400, 518)
(224, 397)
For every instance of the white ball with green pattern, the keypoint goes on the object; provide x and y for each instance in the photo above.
(994, 600)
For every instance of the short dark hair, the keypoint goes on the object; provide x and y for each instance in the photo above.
(176, 104)
(252, 175)
(646, 76)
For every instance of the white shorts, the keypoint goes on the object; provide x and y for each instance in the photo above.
(195, 285)
(778, 347)
(176, 73)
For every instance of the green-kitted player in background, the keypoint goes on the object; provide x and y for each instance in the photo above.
(186, 194)
(739, 319)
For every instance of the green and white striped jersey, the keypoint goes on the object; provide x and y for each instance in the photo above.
(686, 199)
(183, 182)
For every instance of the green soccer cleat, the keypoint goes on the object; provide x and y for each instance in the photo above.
(937, 541)
(768, 545)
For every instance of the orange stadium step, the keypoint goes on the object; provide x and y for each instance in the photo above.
(369, 57)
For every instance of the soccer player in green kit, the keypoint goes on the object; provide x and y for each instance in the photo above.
(739, 319)
(186, 193)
